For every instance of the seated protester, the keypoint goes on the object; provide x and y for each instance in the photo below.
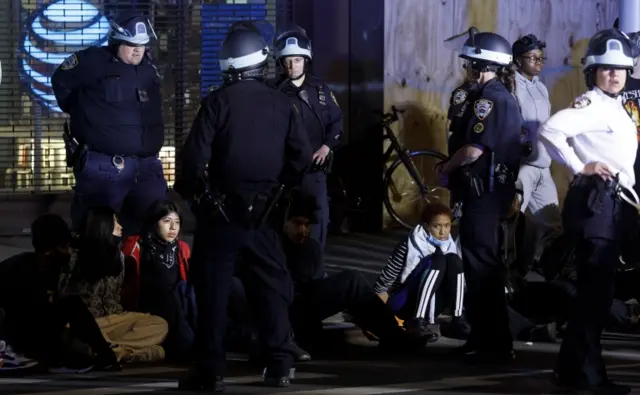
(318, 296)
(559, 266)
(158, 280)
(95, 272)
(423, 272)
(36, 316)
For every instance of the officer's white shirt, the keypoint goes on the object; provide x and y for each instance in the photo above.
(596, 128)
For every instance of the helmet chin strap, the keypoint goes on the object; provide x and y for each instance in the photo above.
(298, 77)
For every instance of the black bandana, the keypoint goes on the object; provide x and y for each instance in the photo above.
(160, 251)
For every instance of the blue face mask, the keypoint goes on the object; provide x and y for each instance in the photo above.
(435, 241)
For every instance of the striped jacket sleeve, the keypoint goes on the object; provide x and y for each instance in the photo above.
(393, 269)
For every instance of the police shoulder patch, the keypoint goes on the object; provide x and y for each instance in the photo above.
(478, 127)
(581, 102)
(459, 96)
(334, 98)
(69, 63)
(482, 108)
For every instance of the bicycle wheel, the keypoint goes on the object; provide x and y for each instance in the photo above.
(405, 196)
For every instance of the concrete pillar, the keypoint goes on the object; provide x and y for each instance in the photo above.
(629, 16)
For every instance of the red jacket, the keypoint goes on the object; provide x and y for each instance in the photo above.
(131, 287)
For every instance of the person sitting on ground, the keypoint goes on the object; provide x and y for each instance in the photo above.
(37, 316)
(422, 267)
(157, 281)
(318, 296)
(95, 272)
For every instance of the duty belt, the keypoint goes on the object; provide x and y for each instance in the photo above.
(628, 195)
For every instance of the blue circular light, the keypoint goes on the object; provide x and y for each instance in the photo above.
(51, 34)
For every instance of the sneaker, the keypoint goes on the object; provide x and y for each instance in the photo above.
(72, 366)
(10, 360)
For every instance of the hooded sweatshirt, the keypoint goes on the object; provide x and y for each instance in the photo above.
(535, 107)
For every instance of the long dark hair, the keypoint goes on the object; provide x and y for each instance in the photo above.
(157, 211)
(99, 249)
(507, 75)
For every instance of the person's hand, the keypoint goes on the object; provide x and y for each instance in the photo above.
(321, 154)
(597, 168)
(383, 296)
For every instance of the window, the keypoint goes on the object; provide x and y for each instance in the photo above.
(37, 35)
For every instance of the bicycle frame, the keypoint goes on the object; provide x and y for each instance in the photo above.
(403, 153)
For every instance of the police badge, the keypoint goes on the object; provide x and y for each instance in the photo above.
(581, 102)
(69, 63)
(482, 108)
(459, 96)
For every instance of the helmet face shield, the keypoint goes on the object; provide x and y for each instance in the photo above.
(244, 47)
(610, 48)
(133, 29)
(457, 42)
(292, 40)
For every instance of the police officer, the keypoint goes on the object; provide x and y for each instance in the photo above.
(321, 115)
(483, 171)
(457, 105)
(601, 158)
(539, 192)
(112, 95)
(253, 140)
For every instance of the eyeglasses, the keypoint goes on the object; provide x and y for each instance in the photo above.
(535, 59)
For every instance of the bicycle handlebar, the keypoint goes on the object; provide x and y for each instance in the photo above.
(389, 118)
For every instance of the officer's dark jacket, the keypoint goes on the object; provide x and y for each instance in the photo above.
(322, 116)
(115, 108)
(492, 121)
(458, 103)
(252, 137)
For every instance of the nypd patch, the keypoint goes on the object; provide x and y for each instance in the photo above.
(459, 96)
(482, 108)
(581, 102)
(69, 63)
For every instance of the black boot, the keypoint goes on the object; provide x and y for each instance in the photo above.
(418, 327)
(299, 354)
(460, 328)
(272, 379)
(199, 384)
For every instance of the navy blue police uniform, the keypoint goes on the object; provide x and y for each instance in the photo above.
(322, 119)
(321, 115)
(493, 124)
(116, 118)
(253, 140)
(458, 103)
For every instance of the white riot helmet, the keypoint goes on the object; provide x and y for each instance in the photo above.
(131, 28)
(293, 41)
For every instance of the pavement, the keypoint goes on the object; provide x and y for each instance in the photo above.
(357, 367)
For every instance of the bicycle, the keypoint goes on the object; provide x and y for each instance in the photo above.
(401, 196)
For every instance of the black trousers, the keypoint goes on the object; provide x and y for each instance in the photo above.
(348, 290)
(593, 218)
(217, 246)
(37, 331)
(443, 286)
(485, 271)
